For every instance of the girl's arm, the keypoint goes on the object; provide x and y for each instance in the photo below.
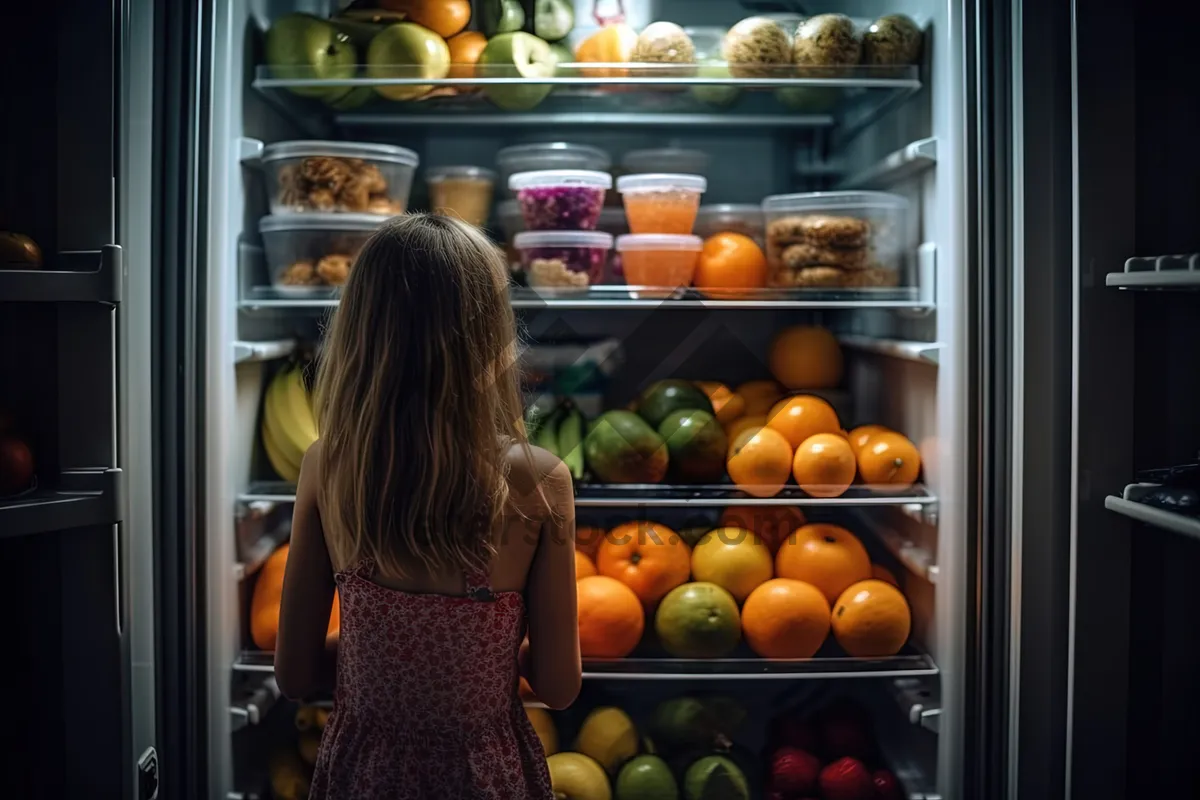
(303, 665)
(555, 671)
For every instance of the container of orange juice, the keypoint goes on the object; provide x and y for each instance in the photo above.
(659, 260)
(661, 202)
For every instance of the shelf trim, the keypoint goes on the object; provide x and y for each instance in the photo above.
(1154, 517)
(94, 276)
(1158, 272)
(82, 498)
(589, 118)
(244, 352)
(921, 352)
(910, 160)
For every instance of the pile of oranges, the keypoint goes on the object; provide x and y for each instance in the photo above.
(774, 437)
(793, 584)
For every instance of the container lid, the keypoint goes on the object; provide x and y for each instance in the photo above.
(560, 177)
(534, 239)
(655, 158)
(661, 182)
(830, 201)
(435, 174)
(365, 150)
(658, 241)
(275, 223)
(565, 153)
(730, 210)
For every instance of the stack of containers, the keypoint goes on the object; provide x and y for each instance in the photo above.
(326, 200)
(560, 248)
(661, 210)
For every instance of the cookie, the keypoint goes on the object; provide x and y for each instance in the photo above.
(811, 277)
(795, 256)
(820, 229)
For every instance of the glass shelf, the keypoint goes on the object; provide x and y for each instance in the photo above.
(268, 298)
(910, 663)
(615, 94)
(660, 495)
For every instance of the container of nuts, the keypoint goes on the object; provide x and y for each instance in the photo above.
(307, 252)
(338, 177)
(835, 240)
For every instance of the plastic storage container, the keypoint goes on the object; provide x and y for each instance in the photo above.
(659, 260)
(707, 41)
(661, 202)
(563, 259)
(508, 217)
(560, 199)
(612, 220)
(743, 218)
(835, 239)
(324, 177)
(463, 192)
(313, 251)
(665, 159)
(549, 155)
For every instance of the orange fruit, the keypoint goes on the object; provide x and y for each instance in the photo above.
(760, 396)
(759, 462)
(773, 524)
(730, 261)
(881, 573)
(742, 424)
(801, 416)
(588, 539)
(734, 559)
(611, 618)
(649, 558)
(727, 404)
(806, 357)
(465, 48)
(824, 465)
(443, 17)
(889, 459)
(871, 619)
(859, 436)
(611, 44)
(584, 568)
(785, 618)
(827, 556)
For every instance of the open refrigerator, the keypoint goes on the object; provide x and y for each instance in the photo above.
(181, 507)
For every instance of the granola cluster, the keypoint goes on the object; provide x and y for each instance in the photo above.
(329, 183)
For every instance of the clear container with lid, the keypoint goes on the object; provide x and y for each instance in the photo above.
(561, 199)
(661, 202)
(349, 177)
(549, 155)
(743, 218)
(314, 251)
(563, 260)
(835, 239)
(612, 220)
(463, 192)
(659, 260)
(666, 159)
(508, 217)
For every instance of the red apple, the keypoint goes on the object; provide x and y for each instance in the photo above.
(794, 771)
(846, 779)
(886, 786)
(16, 465)
(846, 731)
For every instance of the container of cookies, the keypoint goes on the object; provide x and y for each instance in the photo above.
(832, 240)
(661, 202)
(309, 177)
(563, 260)
(306, 252)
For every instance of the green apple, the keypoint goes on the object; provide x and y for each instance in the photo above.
(304, 46)
(714, 95)
(407, 50)
(502, 16)
(354, 97)
(553, 19)
(562, 53)
(517, 55)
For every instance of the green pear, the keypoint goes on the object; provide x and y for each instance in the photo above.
(517, 55)
(304, 46)
(407, 50)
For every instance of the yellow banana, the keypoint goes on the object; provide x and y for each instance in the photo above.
(295, 432)
(301, 411)
(274, 425)
(284, 468)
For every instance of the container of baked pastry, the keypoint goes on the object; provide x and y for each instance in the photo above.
(312, 177)
(314, 251)
(831, 240)
(563, 260)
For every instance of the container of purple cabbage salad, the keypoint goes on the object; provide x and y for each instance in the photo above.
(560, 199)
(563, 260)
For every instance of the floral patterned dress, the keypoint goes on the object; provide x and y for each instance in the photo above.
(426, 705)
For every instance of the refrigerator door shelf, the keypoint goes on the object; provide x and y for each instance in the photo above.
(81, 498)
(1158, 272)
(82, 276)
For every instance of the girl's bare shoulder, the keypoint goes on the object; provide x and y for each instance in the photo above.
(538, 480)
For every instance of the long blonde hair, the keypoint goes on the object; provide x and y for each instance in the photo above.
(417, 400)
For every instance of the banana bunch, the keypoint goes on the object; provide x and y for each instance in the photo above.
(559, 430)
(288, 425)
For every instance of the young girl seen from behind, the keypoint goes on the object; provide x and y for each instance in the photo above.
(446, 535)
